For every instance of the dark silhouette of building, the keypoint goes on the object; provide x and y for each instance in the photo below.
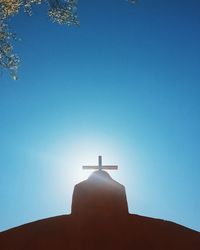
(100, 221)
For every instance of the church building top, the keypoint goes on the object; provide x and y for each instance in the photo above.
(99, 194)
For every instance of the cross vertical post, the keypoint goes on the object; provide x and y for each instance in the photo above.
(100, 162)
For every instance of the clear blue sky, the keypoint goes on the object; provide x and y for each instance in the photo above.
(125, 84)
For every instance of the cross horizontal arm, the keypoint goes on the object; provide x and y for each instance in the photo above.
(103, 167)
(90, 167)
(109, 167)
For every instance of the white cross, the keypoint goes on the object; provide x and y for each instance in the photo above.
(100, 166)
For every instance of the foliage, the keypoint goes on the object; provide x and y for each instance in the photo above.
(60, 11)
